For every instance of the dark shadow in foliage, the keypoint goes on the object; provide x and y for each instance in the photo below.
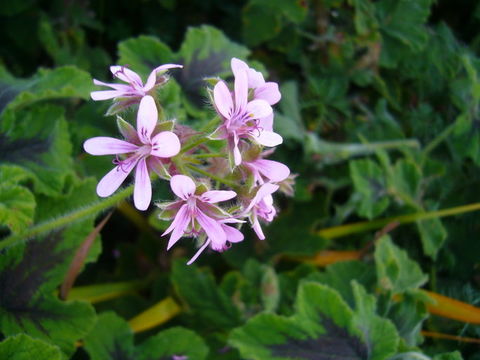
(192, 75)
(7, 94)
(118, 353)
(20, 283)
(16, 151)
(337, 344)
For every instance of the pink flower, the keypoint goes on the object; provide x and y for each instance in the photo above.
(134, 87)
(267, 91)
(242, 118)
(196, 214)
(269, 170)
(144, 149)
(261, 206)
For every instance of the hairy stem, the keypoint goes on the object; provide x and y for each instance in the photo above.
(66, 219)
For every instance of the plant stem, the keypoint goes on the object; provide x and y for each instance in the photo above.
(193, 144)
(211, 176)
(440, 137)
(348, 229)
(66, 219)
(210, 155)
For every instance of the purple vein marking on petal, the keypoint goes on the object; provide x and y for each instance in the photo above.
(147, 118)
(182, 186)
(165, 144)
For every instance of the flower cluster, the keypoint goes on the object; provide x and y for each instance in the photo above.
(240, 176)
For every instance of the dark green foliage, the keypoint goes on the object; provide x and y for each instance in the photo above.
(380, 119)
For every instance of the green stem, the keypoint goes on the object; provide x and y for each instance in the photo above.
(211, 176)
(66, 219)
(210, 155)
(348, 229)
(438, 139)
(193, 144)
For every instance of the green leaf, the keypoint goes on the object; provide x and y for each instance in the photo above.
(60, 83)
(433, 235)
(29, 274)
(364, 19)
(143, 54)
(17, 206)
(205, 300)
(395, 270)
(205, 52)
(17, 203)
(449, 356)
(172, 343)
(402, 27)
(110, 339)
(324, 327)
(40, 143)
(406, 178)
(339, 275)
(289, 122)
(23, 347)
(408, 315)
(369, 183)
(260, 23)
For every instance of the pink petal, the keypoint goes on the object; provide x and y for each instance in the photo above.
(105, 94)
(241, 90)
(223, 99)
(258, 229)
(237, 156)
(233, 234)
(142, 194)
(165, 144)
(197, 254)
(151, 80)
(120, 87)
(182, 186)
(162, 68)
(255, 79)
(266, 123)
(258, 109)
(125, 74)
(213, 229)
(268, 92)
(273, 170)
(214, 196)
(267, 138)
(115, 178)
(178, 226)
(146, 118)
(238, 66)
(103, 145)
(264, 190)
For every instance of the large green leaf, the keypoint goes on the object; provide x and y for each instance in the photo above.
(40, 143)
(205, 52)
(174, 343)
(402, 24)
(60, 83)
(24, 347)
(369, 182)
(395, 270)
(324, 327)
(203, 298)
(28, 277)
(112, 339)
(17, 203)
